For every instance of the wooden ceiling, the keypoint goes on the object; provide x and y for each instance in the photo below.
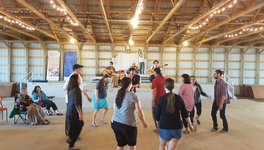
(161, 21)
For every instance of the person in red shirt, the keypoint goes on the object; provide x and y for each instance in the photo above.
(158, 90)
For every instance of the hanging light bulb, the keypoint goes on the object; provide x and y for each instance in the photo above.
(131, 42)
(185, 43)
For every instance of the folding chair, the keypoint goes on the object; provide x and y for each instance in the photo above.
(2, 109)
(21, 114)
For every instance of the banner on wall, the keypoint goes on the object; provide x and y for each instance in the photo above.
(70, 58)
(53, 67)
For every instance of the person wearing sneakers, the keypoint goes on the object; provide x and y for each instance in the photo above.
(99, 100)
(187, 94)
(74, 114)
(221, 98)
(198, 91)
(170, 109)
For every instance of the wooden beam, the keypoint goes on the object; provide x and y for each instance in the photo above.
(38, 13)
(87, 33)
(197, 20)
(244, 12)
(210, 65)
(242, 63)
(22, 32)
(246, 40)
(257, 71)
(231, 31)
(62, 61)
(9, 61)
(26, 23)
(106, 20)
(173, 10)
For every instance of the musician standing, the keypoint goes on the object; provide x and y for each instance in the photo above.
(141, 61)
(110, 71)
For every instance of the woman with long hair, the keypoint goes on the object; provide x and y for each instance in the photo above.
(198, 91)
(99, 100)
(187, 94)
(124, 123)
(170, 108)
(42, 100)
(74, 113)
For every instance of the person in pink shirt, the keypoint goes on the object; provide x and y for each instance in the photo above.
(187, 94)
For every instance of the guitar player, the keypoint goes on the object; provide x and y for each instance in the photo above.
(110, 71)
(151, 69)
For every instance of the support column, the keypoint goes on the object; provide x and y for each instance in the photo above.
(61, 62)
(194, 62)
(257, 67)
(9, 60)
(177, 64)
(96, 59)
(242, 61)
(27, 58)
(161, 55)
(210, 65)
(226, 61)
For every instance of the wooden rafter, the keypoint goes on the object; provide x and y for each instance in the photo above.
(106, 20)
(38, 13)
(240, 36)
(62, 3)
(197, 20)
(246, 40)
(231, 31)
(26, 23)
(248, 10)
(172, 11)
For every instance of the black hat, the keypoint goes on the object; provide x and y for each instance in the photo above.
(76, 66)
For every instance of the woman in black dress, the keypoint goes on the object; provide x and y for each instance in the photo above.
(74, 113)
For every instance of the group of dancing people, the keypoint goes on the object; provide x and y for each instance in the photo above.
(171, 111)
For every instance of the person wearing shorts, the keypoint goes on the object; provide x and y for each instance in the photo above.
(100, 101)
(124, 123)
(169, 110)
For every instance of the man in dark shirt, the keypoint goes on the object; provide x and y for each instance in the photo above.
(135, 79)
(221, 98)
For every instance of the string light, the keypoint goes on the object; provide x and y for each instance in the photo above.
(62, 10)
(12, 21)
(217, 11)
(243, 31)
(134, 21)
(131, 42)
(185, 43)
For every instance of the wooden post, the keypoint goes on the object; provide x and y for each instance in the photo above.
(9, 60)
(45, 55)
(27, 58)
(161, 55)
(194, 62)
(96, 59)
(177, 64)
(242, 61)
(61, 62)
(226, 61)
(257, 66)
(210, 61)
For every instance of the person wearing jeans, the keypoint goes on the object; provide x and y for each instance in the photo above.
(221, 98)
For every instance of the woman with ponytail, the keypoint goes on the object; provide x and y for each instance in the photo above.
(124, 123)
(169, 111)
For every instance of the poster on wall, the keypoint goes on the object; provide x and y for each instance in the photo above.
(70, 58)
(53, 66)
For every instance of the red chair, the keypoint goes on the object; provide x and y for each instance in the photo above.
(2, 109)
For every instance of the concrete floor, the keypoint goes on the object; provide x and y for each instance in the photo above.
(246, 121)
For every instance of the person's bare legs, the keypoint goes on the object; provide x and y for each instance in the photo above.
(131, 147)
(104, 114)
(162, 144)
(173, 143)
(94, 116)
(120, 148)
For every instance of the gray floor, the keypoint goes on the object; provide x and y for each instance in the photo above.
(246, 121)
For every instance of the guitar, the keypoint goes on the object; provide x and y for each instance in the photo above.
(150, 71)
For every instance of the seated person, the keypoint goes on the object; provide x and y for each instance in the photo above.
(110, 71)
(42, 100)
(34, 112)
(135, 79)
(135, 67)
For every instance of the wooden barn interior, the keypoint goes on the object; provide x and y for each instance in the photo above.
(40, 40)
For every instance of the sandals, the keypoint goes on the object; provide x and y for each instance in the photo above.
(103, 121)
